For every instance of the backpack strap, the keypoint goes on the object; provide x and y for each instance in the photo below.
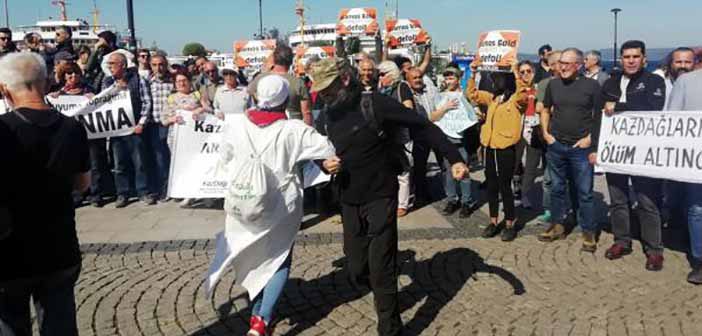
(255, 153)
(369, 113)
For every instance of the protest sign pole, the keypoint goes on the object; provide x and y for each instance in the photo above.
(130, 23)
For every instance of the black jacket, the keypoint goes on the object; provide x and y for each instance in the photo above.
(367, 173)
(645, 92)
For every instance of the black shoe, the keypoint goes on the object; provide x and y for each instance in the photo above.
(121, 202)
(466, 211)
(450, 208)
(97, 202)
(491, 230)
(695, 276)
(148, 199)
(509, 234)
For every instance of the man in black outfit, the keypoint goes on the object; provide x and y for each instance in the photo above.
(367, 178)
(46, 159)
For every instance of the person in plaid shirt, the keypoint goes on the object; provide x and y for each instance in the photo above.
(162, 86)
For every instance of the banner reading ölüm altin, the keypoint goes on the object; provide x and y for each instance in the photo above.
(194, 158)
(497, 49)
(357, 22)
(657, 144)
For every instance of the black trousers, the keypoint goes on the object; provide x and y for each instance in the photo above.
(420, 156)
(370, 245)
(499, 169)
(649, 194)
(54, 302)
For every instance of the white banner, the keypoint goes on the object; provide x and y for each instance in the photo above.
(107, 115)
(357, 22)
(194, 158)
(658, 144)
(459, 119)
(3, 107)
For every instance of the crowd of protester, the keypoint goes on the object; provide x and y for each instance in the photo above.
(536, 120)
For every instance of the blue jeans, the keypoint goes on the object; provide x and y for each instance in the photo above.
(129, 153)
(463, 188)
(158, 136)
(265, 302)
(54, 302)
(694, 220)
(567, 163)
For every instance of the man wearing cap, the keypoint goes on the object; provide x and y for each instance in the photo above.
(230, 98)
(62, 60)
(261, 258)
(368, 179)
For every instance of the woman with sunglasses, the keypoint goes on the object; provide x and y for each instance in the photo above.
(499, 136)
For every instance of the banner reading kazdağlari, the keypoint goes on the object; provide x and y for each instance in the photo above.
(660, 144)
(107, 115)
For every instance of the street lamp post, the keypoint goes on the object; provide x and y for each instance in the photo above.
(7, 16)
(260, 19)
(130, 24)
(616, 12)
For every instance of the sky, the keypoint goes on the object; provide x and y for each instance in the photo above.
(587, 24)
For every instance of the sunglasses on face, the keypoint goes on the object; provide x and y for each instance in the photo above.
(4, 38)
(525, 72)
(143, 56)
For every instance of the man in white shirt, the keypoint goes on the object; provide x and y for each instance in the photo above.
(230, 98)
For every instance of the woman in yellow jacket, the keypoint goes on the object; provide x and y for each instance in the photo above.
(499, 136)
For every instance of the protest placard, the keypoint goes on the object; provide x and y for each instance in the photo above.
(497, 49)
(304, 54)
(107, 115)
(405, 33)
(252, 54)
(459, 119)
(660, 144)
(357, 22)
(195, 156)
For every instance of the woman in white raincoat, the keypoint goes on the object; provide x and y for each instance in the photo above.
(260, 250)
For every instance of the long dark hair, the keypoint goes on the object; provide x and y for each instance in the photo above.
(504, 83)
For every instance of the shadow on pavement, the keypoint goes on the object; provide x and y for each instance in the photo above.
(434, 281)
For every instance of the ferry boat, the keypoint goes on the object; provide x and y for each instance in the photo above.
(83, 32)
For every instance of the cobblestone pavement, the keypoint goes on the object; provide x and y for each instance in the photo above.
(449, 286)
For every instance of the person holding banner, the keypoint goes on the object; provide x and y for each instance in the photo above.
(455, 116)
(101, 181)
(499, 137)
(161, 85)
(130, 151)
(185, 98)
(686, 97)
(635, 89)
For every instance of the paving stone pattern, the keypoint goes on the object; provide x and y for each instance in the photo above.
(448, 286)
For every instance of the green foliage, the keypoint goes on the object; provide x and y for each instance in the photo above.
(194, 49)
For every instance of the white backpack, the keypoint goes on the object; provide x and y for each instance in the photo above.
(254, 188)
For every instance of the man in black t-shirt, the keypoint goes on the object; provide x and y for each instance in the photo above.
(40, 258)
(570, 122)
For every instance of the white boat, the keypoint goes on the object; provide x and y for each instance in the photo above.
(83, 32)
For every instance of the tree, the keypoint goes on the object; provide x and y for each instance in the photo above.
(194, 49)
